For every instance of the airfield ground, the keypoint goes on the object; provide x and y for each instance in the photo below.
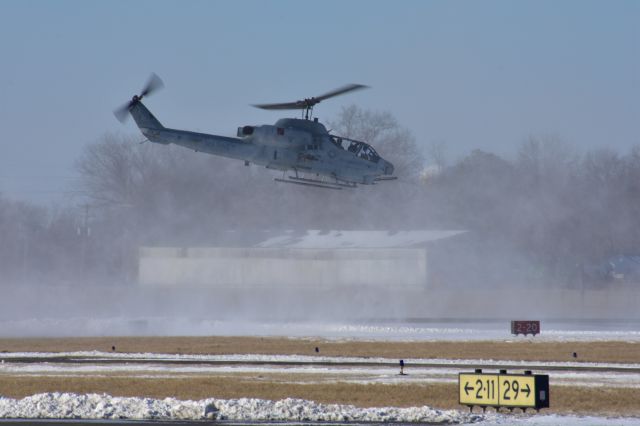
(529, 349)
(597, 399)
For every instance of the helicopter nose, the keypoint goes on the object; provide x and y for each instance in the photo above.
(388, 168)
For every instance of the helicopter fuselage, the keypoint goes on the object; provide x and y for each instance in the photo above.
(306, 146)
(300, 145)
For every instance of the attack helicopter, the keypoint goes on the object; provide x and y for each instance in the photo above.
(300, 145)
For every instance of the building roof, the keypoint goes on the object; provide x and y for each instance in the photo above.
(315, 239)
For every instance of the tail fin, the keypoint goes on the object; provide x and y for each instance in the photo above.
(143, 117)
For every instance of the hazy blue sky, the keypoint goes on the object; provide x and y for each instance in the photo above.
(472, 74)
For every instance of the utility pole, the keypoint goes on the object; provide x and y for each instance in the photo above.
(83, 232)
(25, 251)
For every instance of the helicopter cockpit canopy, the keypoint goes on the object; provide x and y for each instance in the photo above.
(360, 149)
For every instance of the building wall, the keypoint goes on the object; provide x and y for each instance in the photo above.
(264, 267)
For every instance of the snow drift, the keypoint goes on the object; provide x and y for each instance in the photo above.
(95, 406)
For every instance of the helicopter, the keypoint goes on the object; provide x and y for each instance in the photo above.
(300, 145)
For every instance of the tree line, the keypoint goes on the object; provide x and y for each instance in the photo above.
(560, 211)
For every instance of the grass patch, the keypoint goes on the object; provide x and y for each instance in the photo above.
(518, 349)
(564, 399)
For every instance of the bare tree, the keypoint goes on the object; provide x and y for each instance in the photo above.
(546, 161)
(107, 171)
(437, 153)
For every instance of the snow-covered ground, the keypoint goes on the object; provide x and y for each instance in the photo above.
(105, 407)
(95, 406)
(425, 330)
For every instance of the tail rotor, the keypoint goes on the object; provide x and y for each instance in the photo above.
(154, 83)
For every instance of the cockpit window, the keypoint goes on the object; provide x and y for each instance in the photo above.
(338, 141)
(368, 153)
(360, 149)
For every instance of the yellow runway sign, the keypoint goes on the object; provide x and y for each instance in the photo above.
(504, 390)
(479, 389)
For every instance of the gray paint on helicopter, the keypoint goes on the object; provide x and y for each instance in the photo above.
(300, 145)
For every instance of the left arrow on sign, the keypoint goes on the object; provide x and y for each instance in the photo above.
(467, 388)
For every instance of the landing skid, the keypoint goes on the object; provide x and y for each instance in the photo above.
(317, 183)
(336, 183)
(385, 178)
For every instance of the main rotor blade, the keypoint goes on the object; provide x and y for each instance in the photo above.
(154, 83)
(310, 102)
(286, 105)
(341, 91)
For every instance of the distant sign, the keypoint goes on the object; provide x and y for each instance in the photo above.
(525, 327)
(504, 390)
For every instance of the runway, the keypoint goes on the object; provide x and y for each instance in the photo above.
(64, 422)
(311, 362)
(308, 369)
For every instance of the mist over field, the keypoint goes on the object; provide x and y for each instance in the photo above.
(549, 219)
(514, 126)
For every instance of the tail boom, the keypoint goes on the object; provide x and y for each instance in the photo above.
(143, 117)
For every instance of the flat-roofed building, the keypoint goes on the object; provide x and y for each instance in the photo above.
(311, 259)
